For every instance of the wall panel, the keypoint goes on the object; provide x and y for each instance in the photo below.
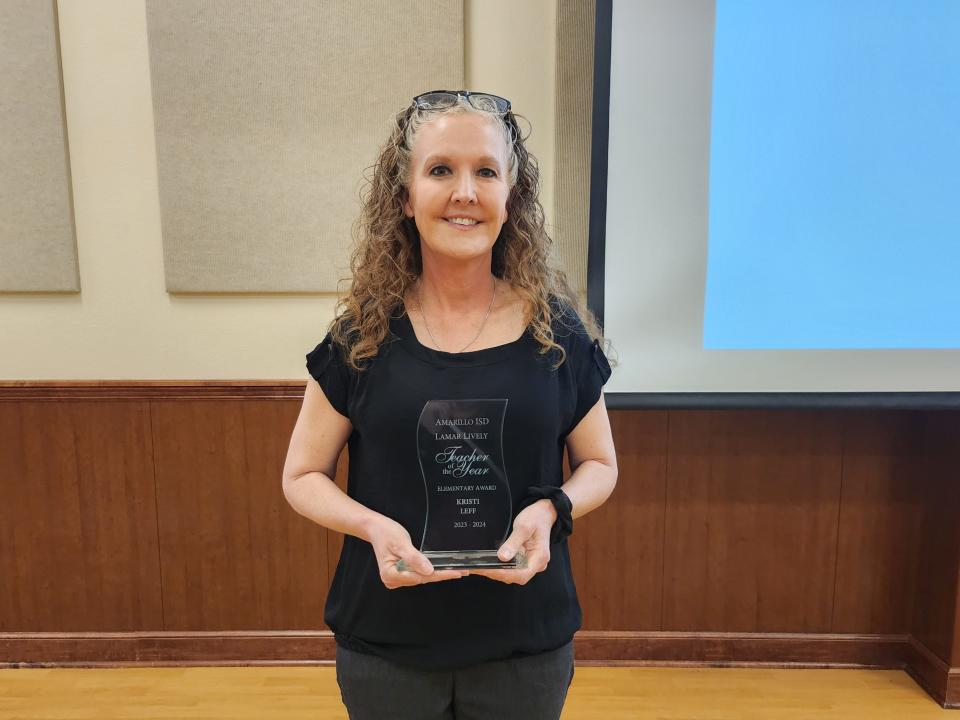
(935, 621)
(78, 521)
(38, 250)
(234, 555)
(574, 135)
(751, 527)
(266, 115)
(617, 550)
(881, 509)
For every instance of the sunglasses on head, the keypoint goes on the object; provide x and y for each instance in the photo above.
(439, 99)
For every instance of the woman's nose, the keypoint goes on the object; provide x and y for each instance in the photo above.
(465, 189)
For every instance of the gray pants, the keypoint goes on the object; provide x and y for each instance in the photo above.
(528, 688)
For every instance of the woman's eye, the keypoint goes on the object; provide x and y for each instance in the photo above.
(440, 170)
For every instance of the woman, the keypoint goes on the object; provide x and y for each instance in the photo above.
(453, 301)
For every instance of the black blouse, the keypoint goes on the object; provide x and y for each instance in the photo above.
(452, 624)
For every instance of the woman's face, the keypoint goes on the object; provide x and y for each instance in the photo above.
(458, 170)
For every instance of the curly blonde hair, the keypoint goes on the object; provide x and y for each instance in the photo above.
(386, 259)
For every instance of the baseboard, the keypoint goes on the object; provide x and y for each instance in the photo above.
(166, 648)
(611, 648)
(931, 673)
(592, 647)
(736, 649)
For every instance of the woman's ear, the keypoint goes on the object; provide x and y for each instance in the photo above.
(407, 207)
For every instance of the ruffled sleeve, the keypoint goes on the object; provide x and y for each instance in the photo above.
(327, 365)
(588, 364)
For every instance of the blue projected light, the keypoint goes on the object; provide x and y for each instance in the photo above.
(835, 175)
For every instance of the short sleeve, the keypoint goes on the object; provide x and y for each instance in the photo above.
(327, 364)
(588, 365)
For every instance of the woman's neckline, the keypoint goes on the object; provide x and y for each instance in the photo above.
(483, 356)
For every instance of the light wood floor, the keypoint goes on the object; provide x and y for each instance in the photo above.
(288, 693)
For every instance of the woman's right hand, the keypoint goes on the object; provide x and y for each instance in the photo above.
(391, 544)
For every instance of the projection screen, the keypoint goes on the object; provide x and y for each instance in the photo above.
(774, 214)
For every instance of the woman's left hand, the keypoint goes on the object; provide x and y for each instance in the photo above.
(531, 536)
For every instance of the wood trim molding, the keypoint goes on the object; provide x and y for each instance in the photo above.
(734, 649)
(596, 648)
(592, 647)
(931, 673)
(66, 390)
(124, 649)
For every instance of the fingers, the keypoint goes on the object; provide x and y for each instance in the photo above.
(439, 575)
(400, 563)
(517, 540)
(394, 578)
(507, 551)
(401, 573)
(511, 577)
(413, 561)
(533, 563)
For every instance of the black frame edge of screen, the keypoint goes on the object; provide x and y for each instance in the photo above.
(784, 401)
(596, 258)
(596, 238)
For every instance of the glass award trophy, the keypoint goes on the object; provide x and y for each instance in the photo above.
(469, 508)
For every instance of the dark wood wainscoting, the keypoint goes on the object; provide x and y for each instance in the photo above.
(145, 523)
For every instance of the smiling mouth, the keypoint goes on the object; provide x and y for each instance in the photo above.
(462, 226)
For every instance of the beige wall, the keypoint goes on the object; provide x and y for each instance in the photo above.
(124, 325)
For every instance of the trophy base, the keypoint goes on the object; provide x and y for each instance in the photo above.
(466, 559)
